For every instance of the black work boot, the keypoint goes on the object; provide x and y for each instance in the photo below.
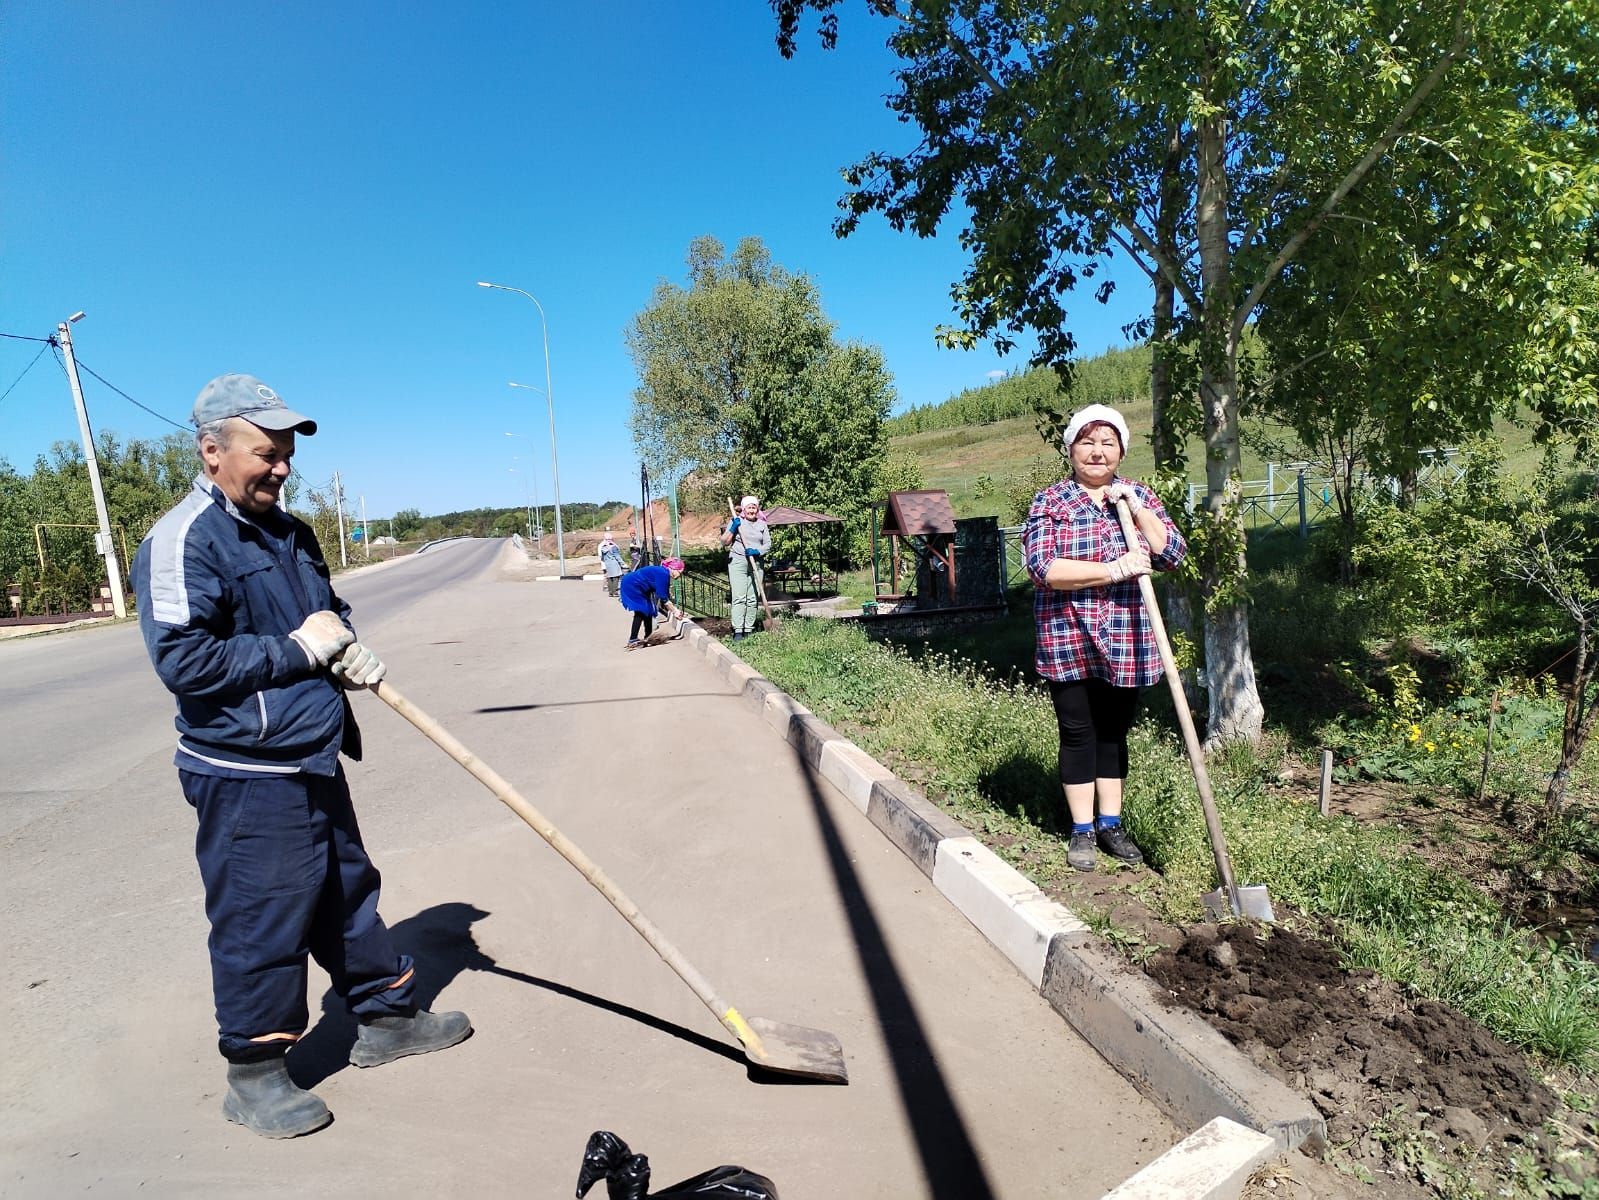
(1080, 851)
(1114, 841)
(383, 1039)
(263, 1099)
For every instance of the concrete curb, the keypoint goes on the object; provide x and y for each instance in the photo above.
(1212, 1163)
(1242, 1115)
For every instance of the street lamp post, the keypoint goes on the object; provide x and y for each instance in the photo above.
(514, 471)
(533, 472)
(549, 399)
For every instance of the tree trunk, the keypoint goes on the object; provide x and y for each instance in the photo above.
(1167, 439)
(1578, 724)
(1235, 708)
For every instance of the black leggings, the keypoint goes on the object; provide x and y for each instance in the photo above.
(641, 619)
(1094, 718)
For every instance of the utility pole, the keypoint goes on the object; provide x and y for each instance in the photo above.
(366, 532)
(102, 539)
(338, 507)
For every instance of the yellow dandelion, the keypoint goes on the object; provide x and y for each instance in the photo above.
(1415, 733)
(1431, 747)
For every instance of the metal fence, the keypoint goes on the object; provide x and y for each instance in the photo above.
(703, 595)
(1292, 496)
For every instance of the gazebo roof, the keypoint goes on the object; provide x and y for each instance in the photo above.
(784, 515)
(917, 514)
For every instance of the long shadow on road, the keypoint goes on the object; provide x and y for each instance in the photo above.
(513, 708)
(440, 940)
(949, 1160)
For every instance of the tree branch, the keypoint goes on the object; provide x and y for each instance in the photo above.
(1356, 173)
(1132, 253)
(1148, 246)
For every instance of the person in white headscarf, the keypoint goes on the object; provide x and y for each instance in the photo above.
(611, 561)
(748, 540)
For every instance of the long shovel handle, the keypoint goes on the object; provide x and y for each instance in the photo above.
(567, 849)
(1185, 718)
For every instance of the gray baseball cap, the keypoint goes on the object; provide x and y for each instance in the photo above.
(246, 396)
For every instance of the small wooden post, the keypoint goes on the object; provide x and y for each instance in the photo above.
(1326, 781)
(1488, 748)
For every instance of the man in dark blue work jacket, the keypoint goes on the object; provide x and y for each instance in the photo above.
(244, 629)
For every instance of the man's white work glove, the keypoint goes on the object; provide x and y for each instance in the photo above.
(358, 666)
(322, 636)
(1130, 565)
(1122, 490)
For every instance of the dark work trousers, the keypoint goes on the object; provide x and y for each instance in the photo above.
(641, 621)
(1094, 718)
(286, 875)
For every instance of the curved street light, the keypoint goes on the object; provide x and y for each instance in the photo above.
(537, 517)
(555, 462)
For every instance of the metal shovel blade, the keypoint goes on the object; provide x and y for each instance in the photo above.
(795, 1050)
(1252, 903)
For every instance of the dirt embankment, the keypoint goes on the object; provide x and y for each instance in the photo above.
(1373, 1060)
(698, 530)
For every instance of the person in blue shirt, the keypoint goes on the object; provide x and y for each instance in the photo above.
(646, 592)
(243, 627)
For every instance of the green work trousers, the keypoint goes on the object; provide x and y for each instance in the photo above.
(745, 575)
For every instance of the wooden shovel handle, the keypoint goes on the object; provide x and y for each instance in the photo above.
(562, 845)
(1185, 718)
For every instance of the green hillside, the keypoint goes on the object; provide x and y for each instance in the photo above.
(980, 464)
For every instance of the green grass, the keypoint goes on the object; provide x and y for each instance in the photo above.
(955, 459)
(985, 748)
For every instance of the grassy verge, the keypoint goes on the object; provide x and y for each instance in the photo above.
(984, 749)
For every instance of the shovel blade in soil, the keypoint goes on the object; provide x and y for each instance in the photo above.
(795, 1050)
(1253, 904)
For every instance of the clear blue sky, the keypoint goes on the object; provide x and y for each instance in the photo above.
(308, 193)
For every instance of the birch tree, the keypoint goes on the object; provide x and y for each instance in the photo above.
(1207, 143)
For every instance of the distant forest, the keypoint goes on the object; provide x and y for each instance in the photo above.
(1114, 377)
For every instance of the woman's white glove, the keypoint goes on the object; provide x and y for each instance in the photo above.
(1130, 565)
(359, 667)
(1122, 490)
(322, 635)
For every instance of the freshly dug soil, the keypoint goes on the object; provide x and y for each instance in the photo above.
(1353, 1043)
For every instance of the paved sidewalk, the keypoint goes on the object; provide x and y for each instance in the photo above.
(964, 1082)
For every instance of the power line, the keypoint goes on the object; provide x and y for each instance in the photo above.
(26, 369)
(86, 367)
(22, 337)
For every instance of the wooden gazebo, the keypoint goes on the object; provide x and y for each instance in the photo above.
(785, 515)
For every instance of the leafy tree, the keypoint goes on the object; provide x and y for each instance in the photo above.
(26, 587)
(743, 388)
(406, 522)
(1210, 144)
(1556, 556)
(141, 480)
(715, 357)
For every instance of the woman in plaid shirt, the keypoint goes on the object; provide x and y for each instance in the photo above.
(1095, 645)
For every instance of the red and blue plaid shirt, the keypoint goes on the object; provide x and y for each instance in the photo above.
(1092, 632)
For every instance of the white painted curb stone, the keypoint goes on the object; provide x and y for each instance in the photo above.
(1212, 1163)
(1011, 912)
(852, 771)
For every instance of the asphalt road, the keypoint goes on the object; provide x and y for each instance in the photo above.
(964, 1084)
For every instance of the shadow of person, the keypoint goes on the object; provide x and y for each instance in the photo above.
(441, 942)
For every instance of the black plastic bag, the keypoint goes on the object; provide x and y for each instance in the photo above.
(721, 1183)
(627, 1176)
